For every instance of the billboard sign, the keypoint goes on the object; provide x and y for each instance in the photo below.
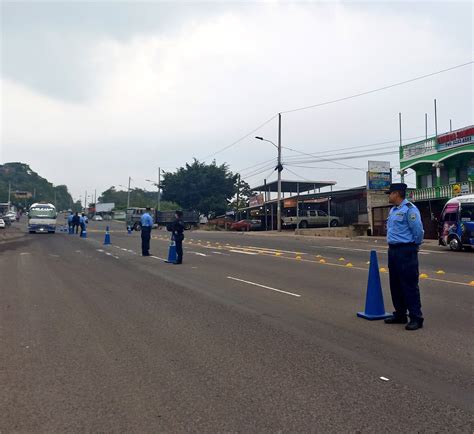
(379, 175)
(256, 200)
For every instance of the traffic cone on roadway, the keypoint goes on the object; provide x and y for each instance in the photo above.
(107, 236)
(374, 307)
(129, 230)
(172, 252)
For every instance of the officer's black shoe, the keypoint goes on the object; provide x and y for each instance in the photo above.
(177, 263)
(414, 324)
(396, 320)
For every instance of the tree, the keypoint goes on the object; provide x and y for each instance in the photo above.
(138, 198)
(244, 192)
(206, 188)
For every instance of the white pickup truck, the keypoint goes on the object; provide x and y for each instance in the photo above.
(310, 218)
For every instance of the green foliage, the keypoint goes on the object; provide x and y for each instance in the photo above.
(22, 178)
(244, 194)
(206, 188)
(138, 198)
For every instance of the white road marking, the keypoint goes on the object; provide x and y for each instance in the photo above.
(351, 249)
(384, 379)
(263, 286)
(198, 253)
(157, 257)
(100, 250)
(220, 253)
(241, 251)
(25, 253)
(268, 249)
(421, 252)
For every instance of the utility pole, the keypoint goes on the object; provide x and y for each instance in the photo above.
(238, 194)
(265, 203)
(402, 175)
(9, 194)
(128, 192)
(95, 198)
(436, 120)
(159, 190)
(426, 126)
(279, 168)
(450, 125)
(85, 201)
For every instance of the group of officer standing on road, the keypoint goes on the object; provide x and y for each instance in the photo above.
(404, 237)
(177, 233)
(76, 222)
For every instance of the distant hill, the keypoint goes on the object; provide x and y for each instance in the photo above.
(28, 187)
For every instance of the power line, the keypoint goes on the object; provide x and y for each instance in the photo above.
(336, 151)
(239, 140)
(321, 159)
(299, 176)
(376, 90)
(255, 165)
(351, 157)
(324, 168)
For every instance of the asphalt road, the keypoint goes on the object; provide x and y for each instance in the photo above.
(253, 333)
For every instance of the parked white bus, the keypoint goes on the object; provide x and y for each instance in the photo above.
(42, 218)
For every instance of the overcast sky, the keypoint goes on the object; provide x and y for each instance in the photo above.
(95, 92)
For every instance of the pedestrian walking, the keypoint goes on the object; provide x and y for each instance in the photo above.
(404, 236)
(177, 229)
(146, 222)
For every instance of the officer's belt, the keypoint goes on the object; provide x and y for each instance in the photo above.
(397, 245)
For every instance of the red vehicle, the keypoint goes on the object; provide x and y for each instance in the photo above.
(246, 225)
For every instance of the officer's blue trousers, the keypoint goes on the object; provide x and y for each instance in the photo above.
(403, 268)
(146, 235)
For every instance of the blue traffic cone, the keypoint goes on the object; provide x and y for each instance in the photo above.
(129, 230)
(374, 307)
(172, 253)
(84, 232)
(107, 236)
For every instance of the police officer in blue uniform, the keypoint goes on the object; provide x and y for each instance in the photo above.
(177, 227)
(404, 237)
(146, 223)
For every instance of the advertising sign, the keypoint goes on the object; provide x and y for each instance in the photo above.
(379, 175)
(256, 200)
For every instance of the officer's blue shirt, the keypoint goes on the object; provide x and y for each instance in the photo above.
(146, 220)
(81, 220)
(404, 224)
(69, 218)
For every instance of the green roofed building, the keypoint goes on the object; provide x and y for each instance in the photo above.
(444, 167)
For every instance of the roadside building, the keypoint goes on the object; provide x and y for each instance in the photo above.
(300, 198)
(444, 168)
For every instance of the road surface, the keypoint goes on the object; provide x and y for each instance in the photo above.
(253, 333)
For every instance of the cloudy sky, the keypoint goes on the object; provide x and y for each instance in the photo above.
(94, 92)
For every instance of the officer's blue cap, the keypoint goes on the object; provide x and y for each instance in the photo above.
(398, 186)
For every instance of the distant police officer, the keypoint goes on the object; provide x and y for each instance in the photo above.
(404, 237)
(146, 222)
(177, 228)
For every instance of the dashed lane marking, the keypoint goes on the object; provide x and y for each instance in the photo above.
(243, 252)
(263, 286)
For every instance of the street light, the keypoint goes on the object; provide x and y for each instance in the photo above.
(279, 167)
(157, 184)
